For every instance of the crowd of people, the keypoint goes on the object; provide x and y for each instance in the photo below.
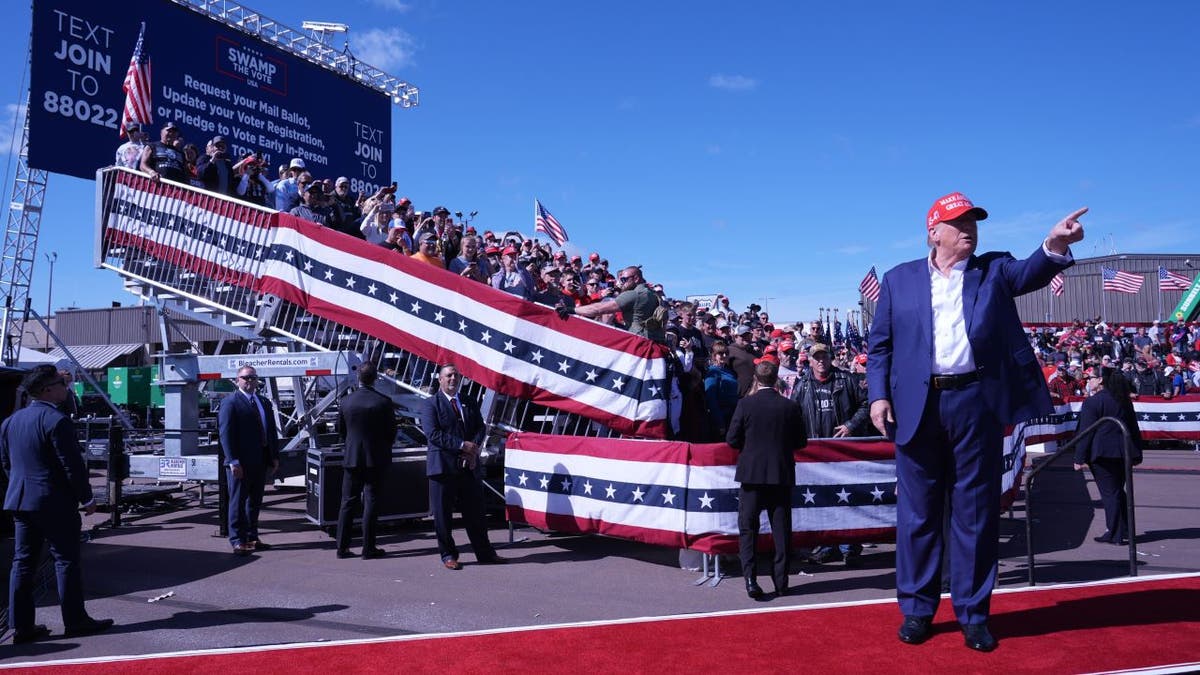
(714, 348)
(1162, 359)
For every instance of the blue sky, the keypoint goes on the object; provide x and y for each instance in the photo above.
(772, 151)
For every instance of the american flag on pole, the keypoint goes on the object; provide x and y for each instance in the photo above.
(1172, 281)
(544, 222)
(499, 340)
(137, 87)
(1118, 281)
(1056, 284)
(869, 286)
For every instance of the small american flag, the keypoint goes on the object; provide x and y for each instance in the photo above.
(1121, 282)
(1056, 284)
(1172, 281)
(137, 87)
(544, 222)
(869, 286)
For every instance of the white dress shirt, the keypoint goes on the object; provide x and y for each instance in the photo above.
(952, 353)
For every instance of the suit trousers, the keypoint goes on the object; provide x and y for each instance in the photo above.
(777, 501)
(245, 502)
(464, 488)
(955, 460)
(61, 529)
(359, 486)
(1109, 473)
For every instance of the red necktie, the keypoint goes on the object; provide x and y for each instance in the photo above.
(457, 410)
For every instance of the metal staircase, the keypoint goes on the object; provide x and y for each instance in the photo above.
(154, 271)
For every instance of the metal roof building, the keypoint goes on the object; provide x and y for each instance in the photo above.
(1084, 298)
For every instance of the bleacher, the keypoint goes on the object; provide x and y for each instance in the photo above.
(215, 259)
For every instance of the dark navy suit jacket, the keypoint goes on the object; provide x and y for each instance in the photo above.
(367, 421)
(900, 348)
(446, 432)
(43, 460)
(767, 428)
(241, 432)
(1106, 441)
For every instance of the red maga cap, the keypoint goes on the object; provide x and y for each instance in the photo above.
(950, 207)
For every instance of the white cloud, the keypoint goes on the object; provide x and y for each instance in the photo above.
(393, 5)
(852, 250)
(732, 82)
(385, 48)
(12, 116)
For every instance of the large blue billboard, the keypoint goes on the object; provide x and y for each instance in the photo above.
(207, 77)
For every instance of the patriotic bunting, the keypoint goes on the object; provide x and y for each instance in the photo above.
(499, 340)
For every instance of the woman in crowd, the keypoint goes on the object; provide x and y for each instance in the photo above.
(720, 389)
(1103, 449)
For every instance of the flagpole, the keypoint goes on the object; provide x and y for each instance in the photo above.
(1103, 300)
(1160, 295)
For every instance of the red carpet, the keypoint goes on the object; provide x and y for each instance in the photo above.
(1139, 624)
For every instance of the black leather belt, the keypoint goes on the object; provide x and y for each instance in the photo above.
(954, 381)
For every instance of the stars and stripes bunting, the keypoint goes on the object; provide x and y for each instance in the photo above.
(869, 286)
(548, 224)
(1174, 419)
(1118, 281)
(138, 107)
(497, 339)
(683, 495)
(1056, 284)
(1172, 281)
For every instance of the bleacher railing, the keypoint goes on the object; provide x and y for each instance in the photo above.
(211, 284)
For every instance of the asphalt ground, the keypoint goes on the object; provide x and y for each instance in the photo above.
(172, 584)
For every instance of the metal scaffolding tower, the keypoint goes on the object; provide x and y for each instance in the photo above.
(20, 247)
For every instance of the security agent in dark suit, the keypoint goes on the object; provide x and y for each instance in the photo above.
(949, 366)
(455, 429)
(250, 442)
(766, 428)
(367, 423)
(47, 481)
(1103, 449)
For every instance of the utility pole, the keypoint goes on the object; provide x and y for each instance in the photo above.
(52, 257)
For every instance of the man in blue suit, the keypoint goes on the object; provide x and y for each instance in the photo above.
(949, 368)
(47, 481)
(250, 442)
(455, 430)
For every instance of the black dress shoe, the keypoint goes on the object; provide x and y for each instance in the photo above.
(754, 590)
(493, 560)
(1121, 542)
(347, 553)
(259, 545)
(977, 637)
(915, 629)
(372, 553)
(24, 637)
(1103, 539)
(781, 587)
(90, 627)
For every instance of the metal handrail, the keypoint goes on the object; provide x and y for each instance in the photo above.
(1127, 451)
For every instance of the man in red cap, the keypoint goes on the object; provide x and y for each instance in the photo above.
(512, 278)
(949, 367)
